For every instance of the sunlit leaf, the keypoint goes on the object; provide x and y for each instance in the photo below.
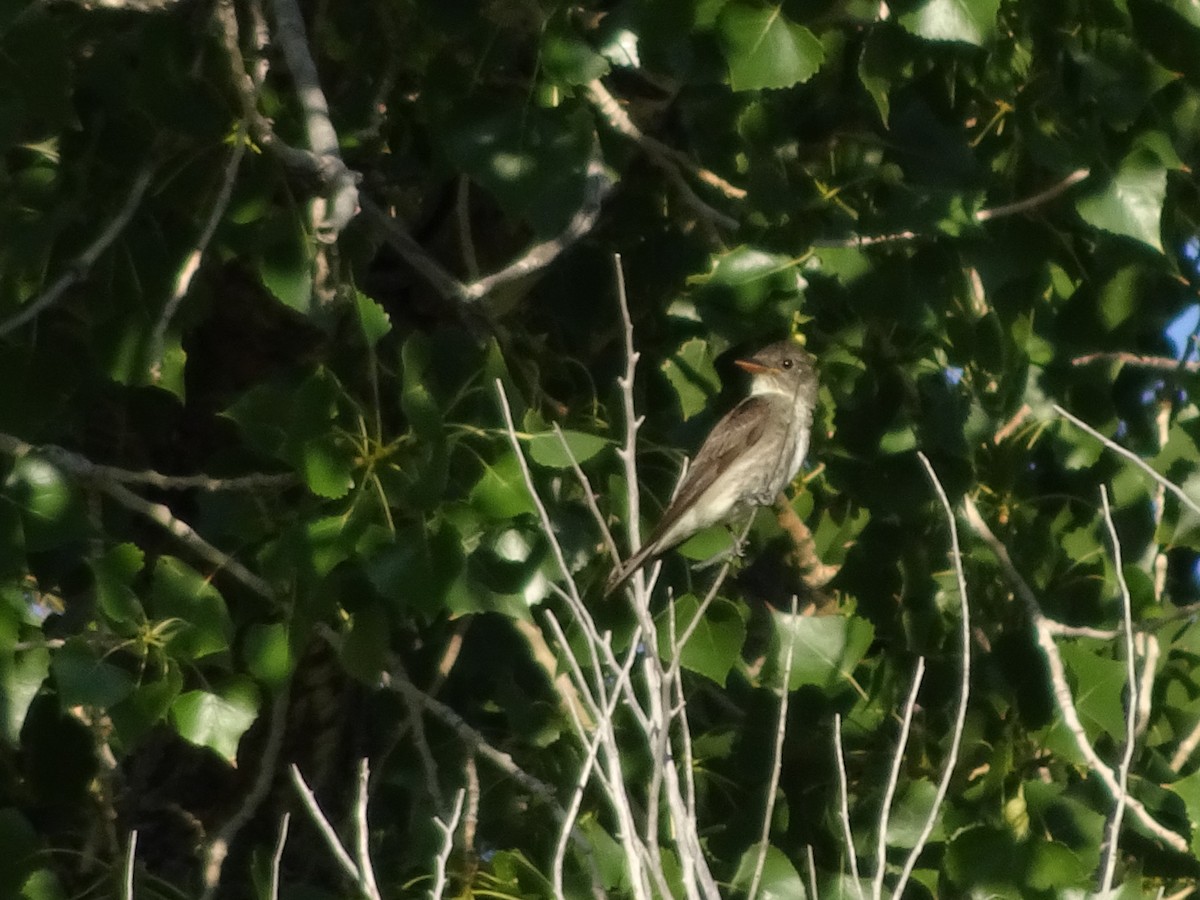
(1130, 202)
(546, 449)
(714, 645)
(216, 720)
(692, 376)
(968, 21)
(764, 49)
(825, 649)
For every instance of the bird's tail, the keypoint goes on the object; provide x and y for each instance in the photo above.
(624, 571)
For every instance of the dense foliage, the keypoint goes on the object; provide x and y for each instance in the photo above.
(270, 274)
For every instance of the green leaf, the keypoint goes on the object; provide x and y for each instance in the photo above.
(268, 653)
(716, 643)
(546, 449)
(910, 812)
(21, 677)
(825, 649)
(202, 624)
(692, 376)
(745, 264)
(1130, 203)
(500, 493)
(327, 465)
(83, 679)
(216, 720)
(569, 61)
(113, 573)
(146, 706)
(49, 507)
(372, 318)
(765, 50)
(285, 266)
(780, 880)
(965, 21)
(1188, 10)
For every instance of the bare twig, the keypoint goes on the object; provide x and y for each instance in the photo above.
(277, 856)
(79, 268)
(218, 847)
(334, 213)
(362, 832)
(981, 216)
(889, 792)
(227, 18)
(1162, 363)
(844, 804)
(597, 186)
(84, 468)
(130, 857)
(447, 829)
(665, 158)
(189, 537)
(1132, 457)
(363, 879)
(776, 761)
(1058, 680)
(1109, 863)
(1034, 200)
(964, 690)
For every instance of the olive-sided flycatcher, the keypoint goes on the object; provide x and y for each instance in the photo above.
(750, 456)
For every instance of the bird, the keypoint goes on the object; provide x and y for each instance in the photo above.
(748, 458)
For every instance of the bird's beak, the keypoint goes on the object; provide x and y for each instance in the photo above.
(751, 366)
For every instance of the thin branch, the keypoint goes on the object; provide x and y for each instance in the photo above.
(844, 804)
(330, 835)
(585, 772)
(443, 855)
(473, 739)
(1132, 457)
(191, 265)
(414, 254)
(1162, 363)
(218, 847)
(189, 537)
(964, 691)
(78, 269)
(776, 761)
(362, 832)
(633, 423)
(666, 159)
(596, 186)
(1034, 200)
(334, 213)
(889, 792)
(1108, 867)
(590, 497)
(84, 468)
(1058, 680)
(130, 857)
(277, 856)
(981, 216)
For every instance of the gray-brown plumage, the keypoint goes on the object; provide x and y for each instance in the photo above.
(751, 455)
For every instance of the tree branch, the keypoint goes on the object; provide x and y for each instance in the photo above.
(333, 213)
(1058, 679)
(79, 268)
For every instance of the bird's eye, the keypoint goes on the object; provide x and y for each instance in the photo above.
(787, 363)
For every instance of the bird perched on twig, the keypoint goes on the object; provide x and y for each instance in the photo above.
(747, 459)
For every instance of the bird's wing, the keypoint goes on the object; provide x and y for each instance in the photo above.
(726, 441)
